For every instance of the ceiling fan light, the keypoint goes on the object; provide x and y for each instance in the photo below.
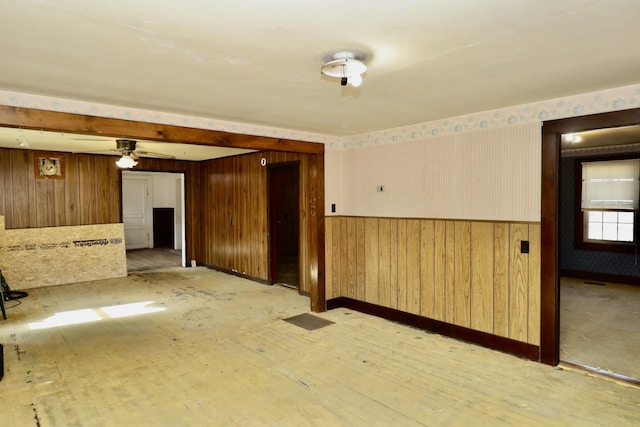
(356, 80)
(126, 162)
(346, 66)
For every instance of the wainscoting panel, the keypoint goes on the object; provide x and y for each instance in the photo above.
(467, 273)
(482, 266)
(371, 285)
(501, 279)
(413, 266)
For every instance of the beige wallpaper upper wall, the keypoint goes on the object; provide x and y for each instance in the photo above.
(488, 162)
(492, 174)
(332, 179)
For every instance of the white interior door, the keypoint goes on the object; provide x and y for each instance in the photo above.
(137, 213)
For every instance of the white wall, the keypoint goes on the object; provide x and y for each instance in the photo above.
(167, 193)
(164, 190)
(332, 180)
(179, 209)
(491, 174)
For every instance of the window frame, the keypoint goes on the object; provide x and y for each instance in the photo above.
(579, 215)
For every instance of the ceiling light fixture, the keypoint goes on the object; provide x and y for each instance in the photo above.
(22, 141)
(346, 66)
(128, 159)
(573, 138)
(126, 162)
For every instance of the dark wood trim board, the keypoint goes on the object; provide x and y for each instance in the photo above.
(505, 345)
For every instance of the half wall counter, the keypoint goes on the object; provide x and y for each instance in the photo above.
(38, 257)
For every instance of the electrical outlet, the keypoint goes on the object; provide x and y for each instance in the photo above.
(524, 246)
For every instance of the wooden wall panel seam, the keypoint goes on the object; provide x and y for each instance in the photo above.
(470, 304)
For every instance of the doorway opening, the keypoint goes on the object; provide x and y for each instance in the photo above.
(284, 224)
(576, 298)
(153, 204)
(598, 245)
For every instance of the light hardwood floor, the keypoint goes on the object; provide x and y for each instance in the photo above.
(217, 353)
(151, 259)
(600, 325)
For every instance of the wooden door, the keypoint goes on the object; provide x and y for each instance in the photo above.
(136, 210)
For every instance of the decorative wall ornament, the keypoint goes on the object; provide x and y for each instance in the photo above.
(49, 166)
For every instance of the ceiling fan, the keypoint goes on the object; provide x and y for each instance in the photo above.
(130, 155)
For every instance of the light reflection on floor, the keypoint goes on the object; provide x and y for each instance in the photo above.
(74, 317)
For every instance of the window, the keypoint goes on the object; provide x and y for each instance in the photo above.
(608, 204)
(609, 226)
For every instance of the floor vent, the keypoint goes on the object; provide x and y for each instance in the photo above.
(308, 321)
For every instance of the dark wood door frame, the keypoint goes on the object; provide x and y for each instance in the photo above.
(550, 280)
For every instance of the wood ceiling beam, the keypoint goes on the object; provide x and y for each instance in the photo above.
(54, 121)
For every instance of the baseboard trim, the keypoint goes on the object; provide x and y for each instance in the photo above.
(601, 277)
(505, 345)
(254, 279)
(235, 273)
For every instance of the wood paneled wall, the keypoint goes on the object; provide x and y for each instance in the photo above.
(226, 205)
(467, 273)
(89, 193)
(18, 195)
(235, 210)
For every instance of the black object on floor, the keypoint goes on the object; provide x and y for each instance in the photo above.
(309, 321)
(7, 294)
(1, 362)
(3, 287)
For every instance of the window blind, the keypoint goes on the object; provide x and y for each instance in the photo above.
(610, 185)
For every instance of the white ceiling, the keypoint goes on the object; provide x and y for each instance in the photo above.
(259, 62)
